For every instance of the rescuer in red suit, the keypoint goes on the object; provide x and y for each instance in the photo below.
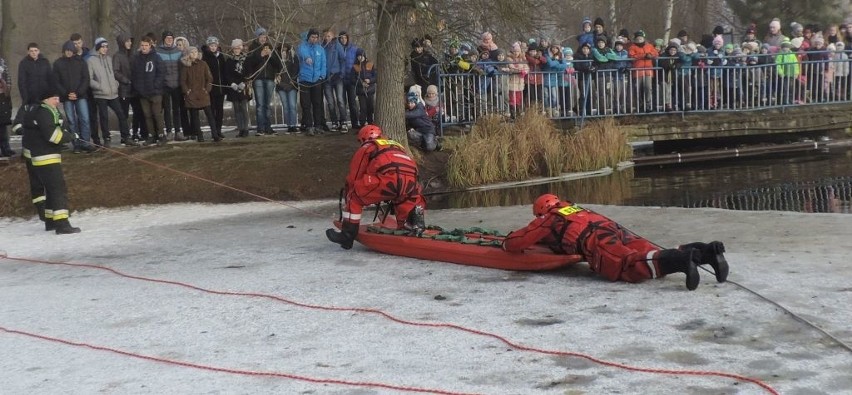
(611, 250)
(381, 170)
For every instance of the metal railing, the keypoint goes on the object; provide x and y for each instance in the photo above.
(756, 84)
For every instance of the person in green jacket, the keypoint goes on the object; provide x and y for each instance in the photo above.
(787, 65)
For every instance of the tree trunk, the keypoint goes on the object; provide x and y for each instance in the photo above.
(391, 67)
(6, 30)
(667, 29)
(613, 22)
(99, 14)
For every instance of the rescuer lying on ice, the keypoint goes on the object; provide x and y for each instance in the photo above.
(381, 170)
(611, 250)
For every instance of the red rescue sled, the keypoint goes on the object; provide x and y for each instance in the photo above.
(380, 238)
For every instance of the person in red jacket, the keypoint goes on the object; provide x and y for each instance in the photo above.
(611, 250)
(381, 170)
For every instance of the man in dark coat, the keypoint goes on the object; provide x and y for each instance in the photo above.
(147, 79)
(72, 82)
(215, 60)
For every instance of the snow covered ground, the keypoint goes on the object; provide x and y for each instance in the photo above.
(577, 324)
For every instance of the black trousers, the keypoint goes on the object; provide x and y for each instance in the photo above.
(195, 122)
(217, 106)
(48, 181)
(103, 116)
(172, 103)
(311, 99)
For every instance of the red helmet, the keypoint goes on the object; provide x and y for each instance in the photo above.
(544, 203)
(369, 132)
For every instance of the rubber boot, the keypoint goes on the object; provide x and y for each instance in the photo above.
(416, 221)
(713, 254)
(681, 261)
(346, 236)
(63, 227)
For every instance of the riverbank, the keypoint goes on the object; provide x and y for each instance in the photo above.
(286, 167)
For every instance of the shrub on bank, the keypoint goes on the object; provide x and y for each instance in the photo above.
(496, 150)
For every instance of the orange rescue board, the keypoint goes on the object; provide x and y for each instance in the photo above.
(536, 258)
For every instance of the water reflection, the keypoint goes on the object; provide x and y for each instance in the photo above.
(812, 182)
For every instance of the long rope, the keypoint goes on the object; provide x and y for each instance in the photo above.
(388, 316)
(230, 370)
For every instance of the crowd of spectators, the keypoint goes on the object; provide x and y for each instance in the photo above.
(167, 83)
(326, 83)
(624, 73)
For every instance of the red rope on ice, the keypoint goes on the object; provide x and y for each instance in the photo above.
(390, 317)
(230, 370)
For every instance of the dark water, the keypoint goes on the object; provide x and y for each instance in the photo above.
(800, 182)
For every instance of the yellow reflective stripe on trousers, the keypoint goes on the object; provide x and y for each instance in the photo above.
(56, 137)
(60, 214)
(48, 159)
(39, 199)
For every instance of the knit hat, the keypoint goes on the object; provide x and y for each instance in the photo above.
(728, 47)
(566, 51)
(411, 97)
(795, 26)
(69, 46)
(690, 48)
(167, 33)
(639, 33)
(212, 40)
(259, 32)
(675, 41)
(718, 30)
(624, 33)
(236, 43)
(776, 23)
(718, 41)
(796, 42)
(599, 21)
(99, 42)
(786, 43)
(586, 20)
(360, 52)
(818, 40)
(700, 48)
(659, 42)
(49, 92)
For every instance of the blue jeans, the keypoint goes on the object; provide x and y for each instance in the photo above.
(289, 105)
(77, 113)
(263, 94)
(333, 92)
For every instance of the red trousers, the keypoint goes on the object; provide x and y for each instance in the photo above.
(401, 189)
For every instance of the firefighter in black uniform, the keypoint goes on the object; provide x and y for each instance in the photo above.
(44, 135)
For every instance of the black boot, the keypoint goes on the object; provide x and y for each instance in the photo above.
(686, 262)
(713, 254)
(345, 237)
(63, 227)
(416, 221)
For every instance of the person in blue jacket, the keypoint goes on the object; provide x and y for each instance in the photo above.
(313, 71)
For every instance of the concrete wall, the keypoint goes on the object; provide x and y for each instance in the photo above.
(48, 23)
(741, 123)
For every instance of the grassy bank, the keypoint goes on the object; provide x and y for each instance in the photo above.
(496, 150)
